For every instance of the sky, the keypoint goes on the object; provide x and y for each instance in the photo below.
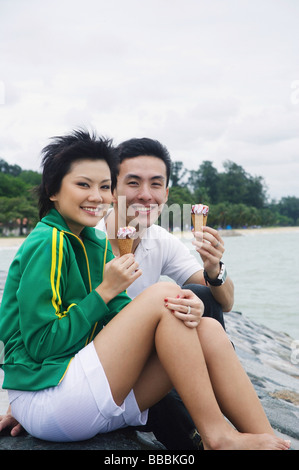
(212, 80)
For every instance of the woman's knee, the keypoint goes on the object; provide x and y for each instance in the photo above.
(163, 290)
(211, 332)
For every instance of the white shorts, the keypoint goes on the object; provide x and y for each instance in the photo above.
(80, 407)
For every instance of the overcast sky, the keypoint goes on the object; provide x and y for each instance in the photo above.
(211, 79)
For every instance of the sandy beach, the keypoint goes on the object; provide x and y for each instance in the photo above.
(17, 241)
(11, 241)
(241, 232)
(263, 230)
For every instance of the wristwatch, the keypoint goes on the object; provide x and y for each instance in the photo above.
(220, 279)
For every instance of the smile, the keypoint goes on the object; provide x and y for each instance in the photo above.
(92, 210)
(144, 209)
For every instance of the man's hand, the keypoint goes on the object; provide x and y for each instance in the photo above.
(210, 246)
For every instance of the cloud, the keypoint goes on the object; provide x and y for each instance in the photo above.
(211, 80)
(266, 126)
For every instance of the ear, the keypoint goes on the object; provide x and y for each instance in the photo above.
(167, 192)
(114, 196)
(53, 198)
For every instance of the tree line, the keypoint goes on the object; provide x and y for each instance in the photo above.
(236, 198)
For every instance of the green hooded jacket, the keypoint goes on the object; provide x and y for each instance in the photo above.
(49, 309)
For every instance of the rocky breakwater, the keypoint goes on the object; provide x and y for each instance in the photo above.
(271, 360)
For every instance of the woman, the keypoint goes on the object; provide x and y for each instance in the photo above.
(81, 358)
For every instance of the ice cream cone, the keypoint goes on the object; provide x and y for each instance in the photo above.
(125, 245)
(197, 222)
(199, 214)
(125, 239)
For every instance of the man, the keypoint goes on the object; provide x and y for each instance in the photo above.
(139, 194)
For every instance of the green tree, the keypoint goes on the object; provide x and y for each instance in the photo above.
(206, 183)
(31, 178)
(11, 186)
(289, 207)
(233, 183)
(18, 212)
(177, 174)
(13, 170)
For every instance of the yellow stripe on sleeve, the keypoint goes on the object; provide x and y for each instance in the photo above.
(56, 299)
(53, 268)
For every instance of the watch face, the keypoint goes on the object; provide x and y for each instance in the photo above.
(219, 280)
(222, 274)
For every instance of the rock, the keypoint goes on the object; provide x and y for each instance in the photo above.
(286, 395)
(126, 439)
(266, 355)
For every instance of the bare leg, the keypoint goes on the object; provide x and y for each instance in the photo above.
(231, 384)
(127, 346)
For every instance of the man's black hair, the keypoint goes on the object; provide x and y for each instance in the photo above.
(140, 147)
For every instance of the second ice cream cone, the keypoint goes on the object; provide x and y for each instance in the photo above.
(125, 239)
(125, 245)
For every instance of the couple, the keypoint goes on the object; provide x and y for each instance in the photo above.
(69, 378)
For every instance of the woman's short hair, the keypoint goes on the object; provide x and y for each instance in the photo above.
(58, 156)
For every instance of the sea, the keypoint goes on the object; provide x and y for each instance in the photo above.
(264, 266)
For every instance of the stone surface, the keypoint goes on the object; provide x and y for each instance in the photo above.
(269, 360)
(124, 440)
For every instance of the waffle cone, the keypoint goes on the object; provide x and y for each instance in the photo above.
(125, 245)
(199, 221)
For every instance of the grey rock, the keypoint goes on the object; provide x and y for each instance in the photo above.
(123, 440)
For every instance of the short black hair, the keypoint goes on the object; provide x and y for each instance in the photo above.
(144, 146)
(58, 156)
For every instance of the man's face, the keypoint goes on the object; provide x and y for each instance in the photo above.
(142, 184)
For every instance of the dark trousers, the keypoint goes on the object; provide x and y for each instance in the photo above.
(169, 420)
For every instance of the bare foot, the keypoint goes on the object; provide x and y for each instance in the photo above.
(243, 441)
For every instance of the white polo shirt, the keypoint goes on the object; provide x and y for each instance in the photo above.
(160, 253)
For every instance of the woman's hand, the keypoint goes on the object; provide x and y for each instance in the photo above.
(210, 246)
(9, 423)
(119, 274)
(186, 307)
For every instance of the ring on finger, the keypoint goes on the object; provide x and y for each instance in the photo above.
(189, 310)
(217, 244)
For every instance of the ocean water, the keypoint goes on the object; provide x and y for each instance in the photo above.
(265, 270)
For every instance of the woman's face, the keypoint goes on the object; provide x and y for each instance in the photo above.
(85, 194)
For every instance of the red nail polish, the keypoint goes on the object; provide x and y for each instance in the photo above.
(165, 300)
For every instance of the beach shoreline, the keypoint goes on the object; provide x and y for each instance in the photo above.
(17, 241)
(11, 241)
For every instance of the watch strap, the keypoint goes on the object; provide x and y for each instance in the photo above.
(220, 279)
